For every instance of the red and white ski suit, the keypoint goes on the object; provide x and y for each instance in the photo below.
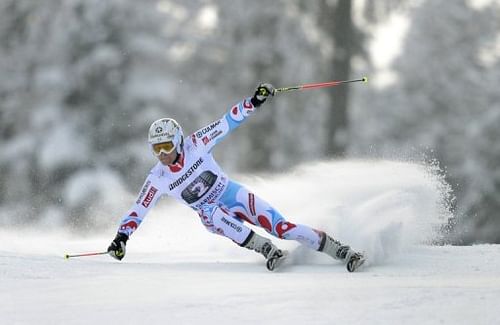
(198, 181)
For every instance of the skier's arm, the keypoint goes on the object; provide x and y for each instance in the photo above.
(213, 133)
(146, 199)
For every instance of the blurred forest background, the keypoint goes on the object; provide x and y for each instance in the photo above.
(81, 81)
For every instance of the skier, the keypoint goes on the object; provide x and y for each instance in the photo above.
(188, 172)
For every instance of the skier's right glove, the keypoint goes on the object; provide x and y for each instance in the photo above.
(117, 248)
(263, 91)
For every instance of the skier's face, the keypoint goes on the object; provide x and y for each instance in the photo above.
(168, 158)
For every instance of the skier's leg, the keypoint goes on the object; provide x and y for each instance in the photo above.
(334, 248)
(221, 222)
(247, 206)
(261, 245)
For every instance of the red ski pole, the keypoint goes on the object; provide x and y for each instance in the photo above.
(85, 254)
(319, 85)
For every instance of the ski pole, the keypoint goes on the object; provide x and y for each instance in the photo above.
(319, 85)
(84, 254)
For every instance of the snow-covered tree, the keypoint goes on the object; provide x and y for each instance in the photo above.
(82, 80)
(71, 95)
(445, 102)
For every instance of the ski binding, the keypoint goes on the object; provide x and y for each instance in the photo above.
(355, 262)
(275, 261)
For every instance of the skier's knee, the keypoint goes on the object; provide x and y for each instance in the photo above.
(283, 228)
(278, 228)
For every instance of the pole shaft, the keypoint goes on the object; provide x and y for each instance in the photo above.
(85, 254)
(320, 85)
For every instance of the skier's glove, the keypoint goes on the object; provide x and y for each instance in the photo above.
(263, 91)
(117, 247)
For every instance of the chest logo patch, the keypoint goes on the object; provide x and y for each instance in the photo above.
(199, 187)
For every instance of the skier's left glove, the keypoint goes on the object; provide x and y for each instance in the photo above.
(263, 91)
(117, 248)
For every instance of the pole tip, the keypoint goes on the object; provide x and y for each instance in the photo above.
(365, 79)
(66, 256)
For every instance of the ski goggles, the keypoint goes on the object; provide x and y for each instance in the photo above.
(165, 147)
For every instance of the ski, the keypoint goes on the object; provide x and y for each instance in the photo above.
(275, 261)
(355, 262)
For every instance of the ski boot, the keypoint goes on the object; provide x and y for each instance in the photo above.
(271, 253)
(355, 261)
(341, 252)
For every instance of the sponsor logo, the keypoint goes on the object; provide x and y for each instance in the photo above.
(207, 129)
(212, 196)
(215, 134)
(236, 227)
(186, 175)
(205, 140)
(193, 139)
(160, 132)
(149, 197)
(199, 187)
(143, 192)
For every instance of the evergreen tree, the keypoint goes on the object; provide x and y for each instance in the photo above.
(445, 103)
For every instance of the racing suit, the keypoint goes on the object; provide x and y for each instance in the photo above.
(222, 204)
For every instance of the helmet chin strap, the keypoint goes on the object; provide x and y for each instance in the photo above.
(179, 152)
(176, 158)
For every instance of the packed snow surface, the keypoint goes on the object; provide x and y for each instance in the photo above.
(175, 272)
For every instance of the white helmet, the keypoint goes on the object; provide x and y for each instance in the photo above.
(168, 131)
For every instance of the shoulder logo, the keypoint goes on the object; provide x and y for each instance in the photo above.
(149, 197)
(143, 192)
(207, 129)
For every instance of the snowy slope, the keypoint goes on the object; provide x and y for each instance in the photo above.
(177, 273)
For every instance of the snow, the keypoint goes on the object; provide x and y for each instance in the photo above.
(175, 272)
